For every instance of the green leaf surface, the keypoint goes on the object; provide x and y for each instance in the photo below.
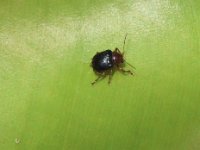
(47, 101)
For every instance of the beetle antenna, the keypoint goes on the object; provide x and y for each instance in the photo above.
(124, 42)
(129, 64)
(124, 51)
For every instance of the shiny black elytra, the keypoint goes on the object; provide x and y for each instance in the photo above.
(105, 63)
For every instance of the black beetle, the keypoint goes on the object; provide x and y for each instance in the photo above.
(107, 62)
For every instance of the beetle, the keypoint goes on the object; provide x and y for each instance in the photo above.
(105, 63)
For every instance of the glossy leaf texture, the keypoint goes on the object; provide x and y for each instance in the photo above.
(46, 98)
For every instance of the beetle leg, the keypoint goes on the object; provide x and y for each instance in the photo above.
(97, 79)
(117, 50)
(110, 76)
(125, 71)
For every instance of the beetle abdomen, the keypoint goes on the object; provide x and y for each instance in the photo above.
(102, 61)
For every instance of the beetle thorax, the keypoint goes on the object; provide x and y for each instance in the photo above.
(117, 58)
